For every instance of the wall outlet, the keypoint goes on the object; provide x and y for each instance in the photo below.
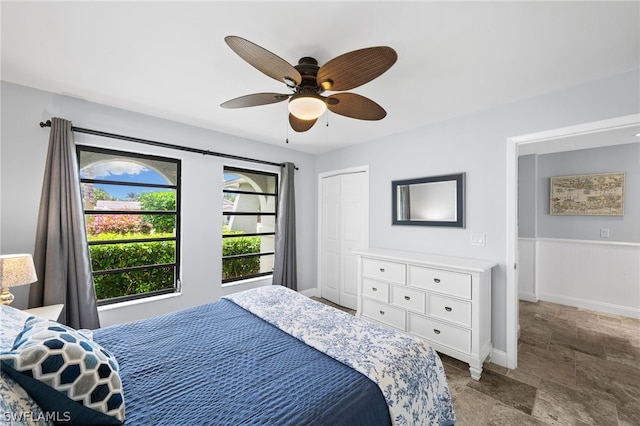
(477, 240)
(604, 232)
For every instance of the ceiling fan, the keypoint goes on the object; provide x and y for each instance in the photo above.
(308, 81)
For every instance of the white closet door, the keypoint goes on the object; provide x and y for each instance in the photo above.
(345, 226)
(330, 258)
(355, 232)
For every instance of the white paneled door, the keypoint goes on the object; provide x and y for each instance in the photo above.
(344, 227)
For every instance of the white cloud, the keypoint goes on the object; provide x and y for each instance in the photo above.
(117, 168)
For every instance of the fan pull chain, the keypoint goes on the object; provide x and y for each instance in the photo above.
(287, 139)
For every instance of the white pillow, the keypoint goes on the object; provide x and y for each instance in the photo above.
(12, 321)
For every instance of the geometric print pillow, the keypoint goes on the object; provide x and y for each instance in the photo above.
(66, 373)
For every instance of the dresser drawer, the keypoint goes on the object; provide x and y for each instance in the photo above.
(444, 334)
(453, 310)
(385, 271)
(383, 313)
(375, 289)
(453, 283)
(407, 298)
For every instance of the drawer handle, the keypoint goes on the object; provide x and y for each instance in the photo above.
(448, 309)
(381, 312)
(407, 298)
(436, 280)
(381, 269)
(435, 330)
(374, 289)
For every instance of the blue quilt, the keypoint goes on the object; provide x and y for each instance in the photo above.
(407, 370)
(218, 364)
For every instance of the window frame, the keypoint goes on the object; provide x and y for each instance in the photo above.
(275, 194)
(175, 265)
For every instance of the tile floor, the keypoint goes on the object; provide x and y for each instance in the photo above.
(575, 367)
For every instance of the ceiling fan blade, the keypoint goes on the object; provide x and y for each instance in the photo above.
(255, 99)
(355, 106)
(301, 125)
(263, 60)
(356, 68)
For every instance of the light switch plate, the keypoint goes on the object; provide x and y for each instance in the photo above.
(477, 240)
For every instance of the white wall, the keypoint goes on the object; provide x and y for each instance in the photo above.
(475, 144)
(23, 151)
(600, 276)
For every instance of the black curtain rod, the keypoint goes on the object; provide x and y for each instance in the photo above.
(165, 145)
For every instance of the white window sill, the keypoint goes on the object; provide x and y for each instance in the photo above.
(137, 301)
(266, 279)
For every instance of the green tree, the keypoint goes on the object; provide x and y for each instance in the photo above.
(101, 194)
(132, 196)
(162, 201)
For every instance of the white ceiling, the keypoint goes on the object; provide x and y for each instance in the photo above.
(169, 59)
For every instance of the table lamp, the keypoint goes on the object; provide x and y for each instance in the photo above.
(15, 270)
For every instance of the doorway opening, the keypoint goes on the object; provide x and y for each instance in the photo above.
(562, 139)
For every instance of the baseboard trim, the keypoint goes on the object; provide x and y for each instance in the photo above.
(500, 358)
(591, 305)
(529, 297)
(312, 292)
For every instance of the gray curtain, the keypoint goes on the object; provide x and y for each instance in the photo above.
(284, 269)
(61, 254)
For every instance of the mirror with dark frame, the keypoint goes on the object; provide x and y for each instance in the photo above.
(429, 201)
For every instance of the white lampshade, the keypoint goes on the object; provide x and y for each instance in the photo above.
(15, 270)
(307, 107)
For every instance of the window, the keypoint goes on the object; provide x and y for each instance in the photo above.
(132, 214)
(249, 205)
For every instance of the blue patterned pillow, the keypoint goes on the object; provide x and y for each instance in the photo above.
(17, 408)
(66, 373)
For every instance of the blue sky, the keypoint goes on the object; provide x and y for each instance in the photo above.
(124, 171)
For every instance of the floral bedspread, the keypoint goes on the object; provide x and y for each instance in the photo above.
(407, 370)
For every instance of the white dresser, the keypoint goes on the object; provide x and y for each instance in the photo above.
(444, 300)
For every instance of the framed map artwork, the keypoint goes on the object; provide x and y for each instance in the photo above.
(582, 195)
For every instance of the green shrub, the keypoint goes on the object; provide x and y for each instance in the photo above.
(133, 282)
(234, 268)
(116, 256)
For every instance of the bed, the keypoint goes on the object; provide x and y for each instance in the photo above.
(267, 356)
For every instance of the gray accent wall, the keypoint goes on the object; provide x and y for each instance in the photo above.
(527, 196)
(535, 172)
(618, 158)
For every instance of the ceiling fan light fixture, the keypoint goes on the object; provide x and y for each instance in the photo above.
(308, 81)
(307, 106)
